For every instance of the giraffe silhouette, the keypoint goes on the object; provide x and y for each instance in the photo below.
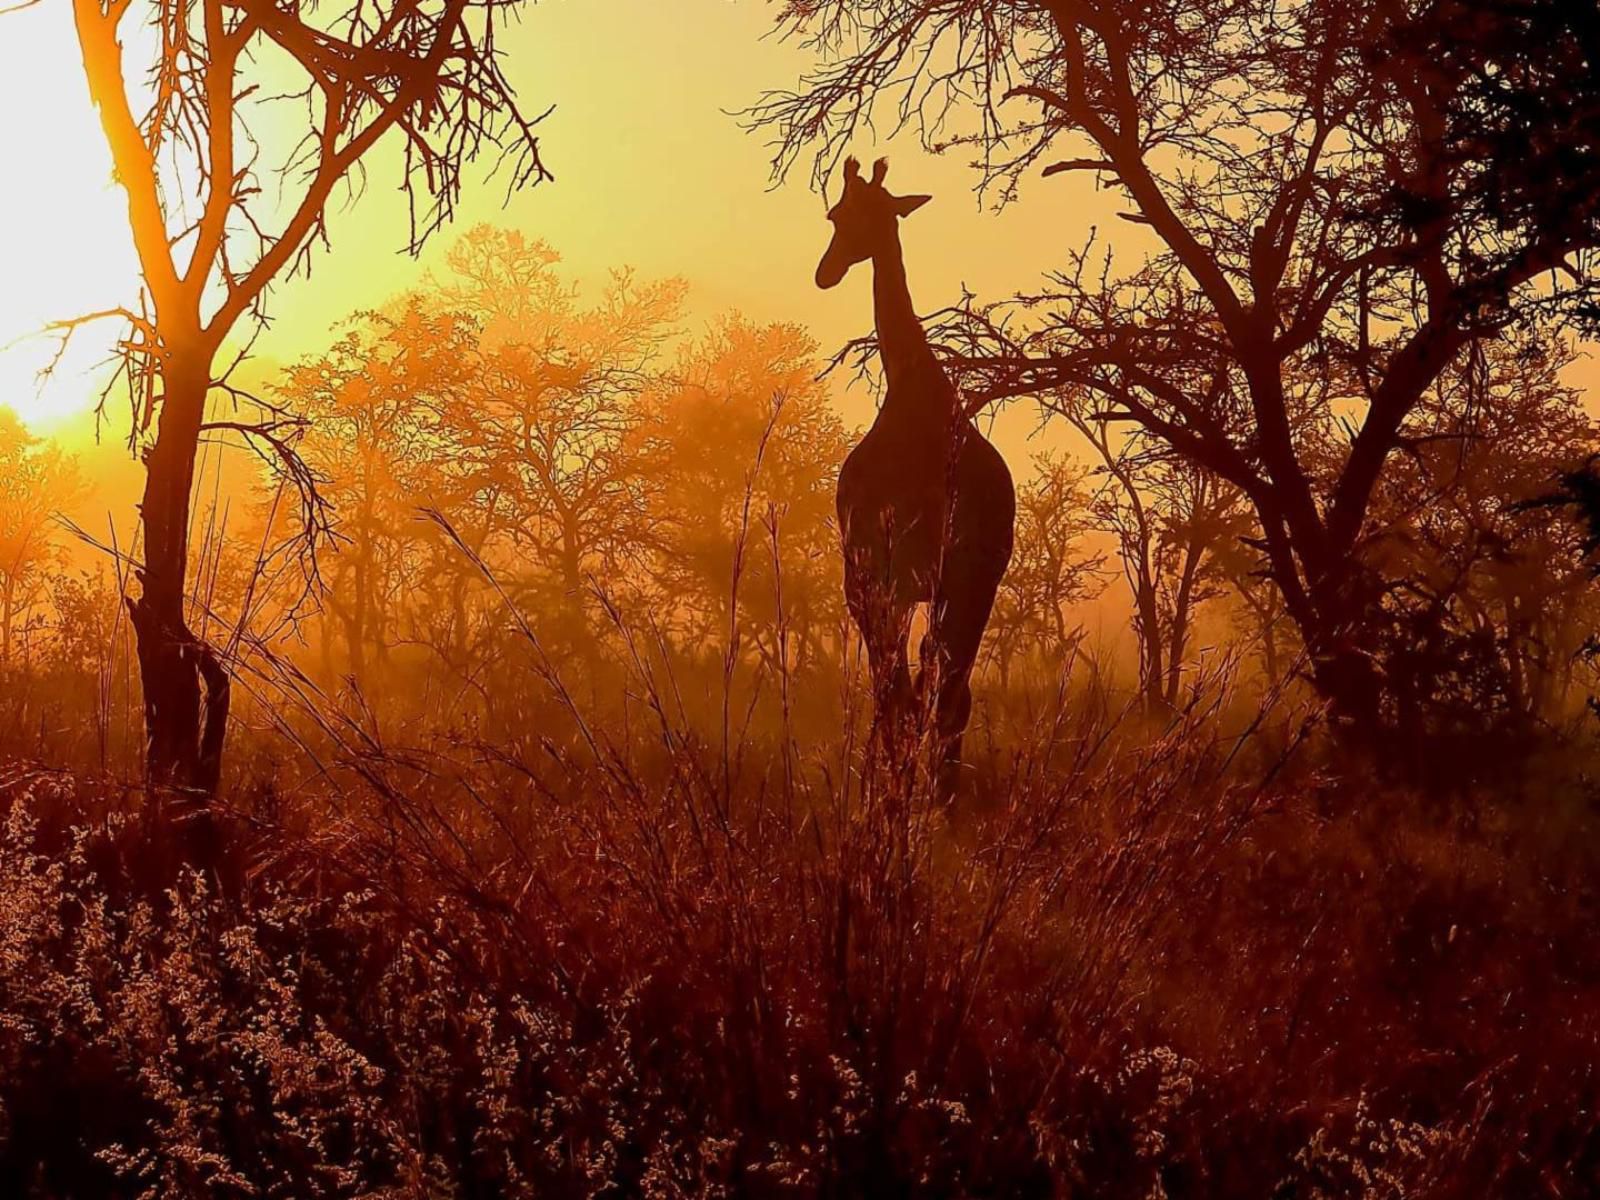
(926, 504)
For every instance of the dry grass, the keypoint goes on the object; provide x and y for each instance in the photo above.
(643, 960)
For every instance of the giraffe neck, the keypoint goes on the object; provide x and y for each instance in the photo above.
(915, 383)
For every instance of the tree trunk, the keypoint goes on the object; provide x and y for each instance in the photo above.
(1518, 685)
(355, 621)
(1182, 611)
(186, 689)
(1152, 673)
(581, 636)
(1335, 611)
(459, 647)
(1345, 674)
(1269, 650)
(7, 616)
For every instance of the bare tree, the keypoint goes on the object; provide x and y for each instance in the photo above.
(193, 155)
(373, 442)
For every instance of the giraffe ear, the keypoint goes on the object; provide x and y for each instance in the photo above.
(904, 206)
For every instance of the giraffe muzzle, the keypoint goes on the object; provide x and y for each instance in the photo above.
(831, 270)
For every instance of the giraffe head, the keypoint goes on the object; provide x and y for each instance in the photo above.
(864, 220)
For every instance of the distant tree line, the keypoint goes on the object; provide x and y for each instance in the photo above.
(499, 452)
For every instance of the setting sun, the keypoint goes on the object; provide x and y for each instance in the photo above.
(64, 245)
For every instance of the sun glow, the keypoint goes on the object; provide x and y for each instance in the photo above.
(64, 244)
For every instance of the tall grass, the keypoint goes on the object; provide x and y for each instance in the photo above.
(640, 958)
(666, 948)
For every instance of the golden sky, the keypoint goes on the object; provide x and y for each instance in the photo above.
(651, 171)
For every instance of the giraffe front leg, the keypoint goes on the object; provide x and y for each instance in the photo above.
(956, 633)
(884, 624)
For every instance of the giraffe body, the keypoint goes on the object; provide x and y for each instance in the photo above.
(926, 504)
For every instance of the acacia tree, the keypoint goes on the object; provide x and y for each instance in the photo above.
(1487, 600)
(546, 433)
(1318, 232)
(189, 146)
(740, 450)
(376, 451)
